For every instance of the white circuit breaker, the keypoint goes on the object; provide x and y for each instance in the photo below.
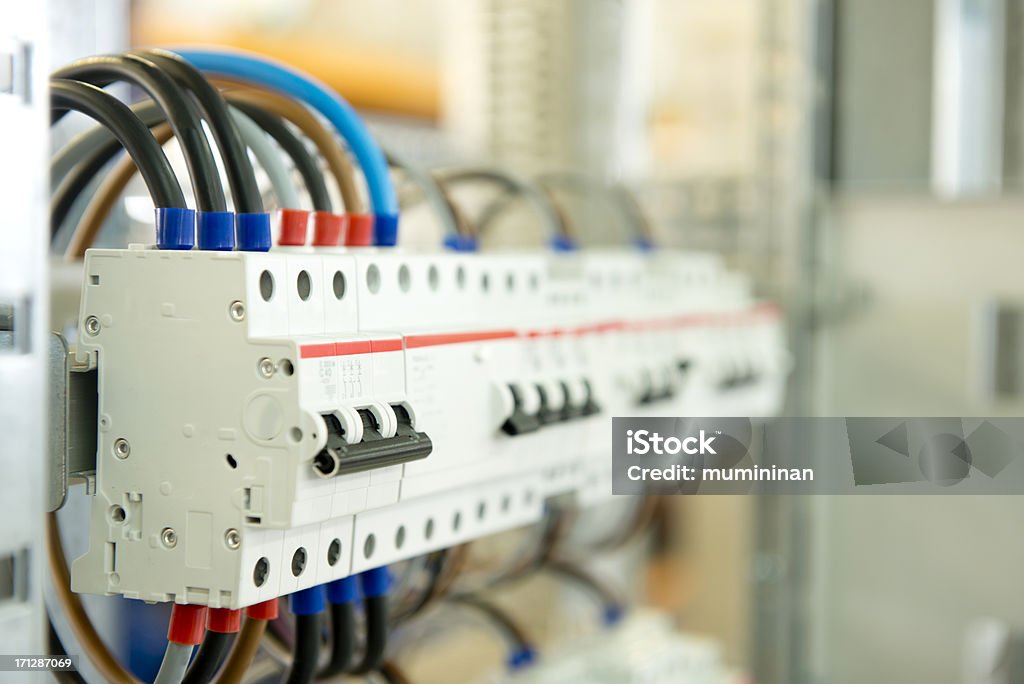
(272, 421)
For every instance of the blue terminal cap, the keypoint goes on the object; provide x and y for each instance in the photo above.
(253, 232)
(308, 601)
(522, 657)
(643, 244)
(612, 614)
(375, 582)
(175, 228)
(385, 230)
(344, 590)
(461, 243)
(216, 230)
(561, 243)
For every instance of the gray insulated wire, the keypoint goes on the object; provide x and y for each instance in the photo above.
(270, 158)
(617, 195)
(428, 186)
(80, 147)
(175, 662)
(293, 146)
(512, 183)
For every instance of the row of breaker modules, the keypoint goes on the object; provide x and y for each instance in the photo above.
(289, 432)
(274, 418)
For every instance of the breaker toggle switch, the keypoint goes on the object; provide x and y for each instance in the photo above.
(590, 405)
(658, 384)
(552, 401)
(579, 399)
(574, 395)
(374, 450)
(523, 419)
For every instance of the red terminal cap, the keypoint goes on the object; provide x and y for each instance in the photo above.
(187, 625)
(224, 620)
(360, 230)
(293, 227)
(263, 611)
(328, 228)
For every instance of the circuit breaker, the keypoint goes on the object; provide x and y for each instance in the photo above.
(272, 421)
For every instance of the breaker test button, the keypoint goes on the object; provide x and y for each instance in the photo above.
(264, 417)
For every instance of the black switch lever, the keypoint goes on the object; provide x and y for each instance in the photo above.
(374, 451)
(520, 422)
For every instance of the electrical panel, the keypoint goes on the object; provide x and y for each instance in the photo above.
(273, 401)
(269, 422)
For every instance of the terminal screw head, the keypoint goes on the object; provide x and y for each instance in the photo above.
(237, 311)
(92, 326)
(169, 537)
(122, 448)
(267, 368)
(232, 539)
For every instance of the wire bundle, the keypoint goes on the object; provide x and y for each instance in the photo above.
(266, 108)
(545, 553)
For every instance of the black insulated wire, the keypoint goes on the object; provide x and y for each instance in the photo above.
(641, 521)
(556, 525)
(208, 658)
(510, 183)
(512, 632)
(591, 585)
(98, 140)
(376, 608)
(434, 566)
(306, 651)
(182, 114)
(451, 219)
(56, 647)
(85, 171)
(233, 152)
(293, 146)
(130, 132)
(343, 642)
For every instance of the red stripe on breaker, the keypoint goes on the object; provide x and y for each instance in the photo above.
(319, 351)
(556, 332)
(767, 309)
(385, 345)
(316, 351)
(312, 351)
(414, 341)
(609, 326)
(355, 347)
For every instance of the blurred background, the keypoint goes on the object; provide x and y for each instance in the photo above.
(862, 159)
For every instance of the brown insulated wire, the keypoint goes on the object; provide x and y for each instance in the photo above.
(327, 143)
(92, 645)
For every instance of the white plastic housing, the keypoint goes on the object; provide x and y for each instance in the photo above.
(216, 369)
